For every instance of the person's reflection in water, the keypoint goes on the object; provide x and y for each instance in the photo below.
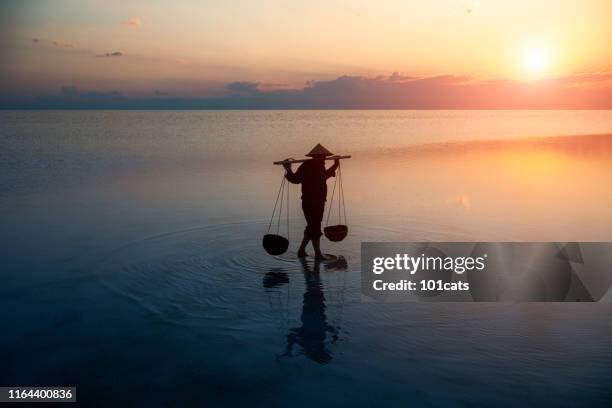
(313, 332)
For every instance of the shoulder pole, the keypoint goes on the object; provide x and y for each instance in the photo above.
(304, 160)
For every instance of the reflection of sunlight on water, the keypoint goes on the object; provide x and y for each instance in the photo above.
(559, 190)
(461, 200)
(538, 166)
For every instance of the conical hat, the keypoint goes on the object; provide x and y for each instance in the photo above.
(319, 150)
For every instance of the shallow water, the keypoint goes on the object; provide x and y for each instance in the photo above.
(132, 258)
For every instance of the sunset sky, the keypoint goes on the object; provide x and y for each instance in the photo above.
(413, 54)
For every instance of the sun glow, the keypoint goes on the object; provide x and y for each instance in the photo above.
(536, 59)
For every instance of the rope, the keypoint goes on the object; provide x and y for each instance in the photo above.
(339, 196)
(341, 201)
(275, 203)
(287, 211)
(342, 195)
(331, 202)
(280, 196)
(280, 210)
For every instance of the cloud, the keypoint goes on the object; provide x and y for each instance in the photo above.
(134, 22)
(69, 91)
(242, 88)
(270, 86)
(97, 96)
(61, 44)
(398, 76)
(110, 54)
(582, 91)
(70, 97)
(53, 43)
(591, 90)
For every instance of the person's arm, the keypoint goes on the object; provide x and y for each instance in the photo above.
(295, 178)
(331, 172)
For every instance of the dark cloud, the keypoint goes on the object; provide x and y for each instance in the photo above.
(35, 40)
(69, 91)
(582, 91)
(110, 54)
(70, 97)
(243, 88)
(97, 96)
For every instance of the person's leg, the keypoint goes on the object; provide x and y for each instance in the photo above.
(316, 244)
(306, 239)
(316, 217)
(319, 255)
(302, 250)
(313, 212)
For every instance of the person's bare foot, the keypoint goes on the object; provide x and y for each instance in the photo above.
(302, 254)
(325, 257)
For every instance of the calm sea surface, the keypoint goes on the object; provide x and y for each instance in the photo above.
(132, 260)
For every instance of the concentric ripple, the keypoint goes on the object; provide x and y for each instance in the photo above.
(222, 272)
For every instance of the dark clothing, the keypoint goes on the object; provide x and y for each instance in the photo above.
(313, 212)
(313, 176)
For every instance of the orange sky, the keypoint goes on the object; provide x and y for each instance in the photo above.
(194, 48)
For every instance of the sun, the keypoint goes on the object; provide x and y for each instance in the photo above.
(536, 59)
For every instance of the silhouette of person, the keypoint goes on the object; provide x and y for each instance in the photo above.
(313, 176)
(313, 332)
